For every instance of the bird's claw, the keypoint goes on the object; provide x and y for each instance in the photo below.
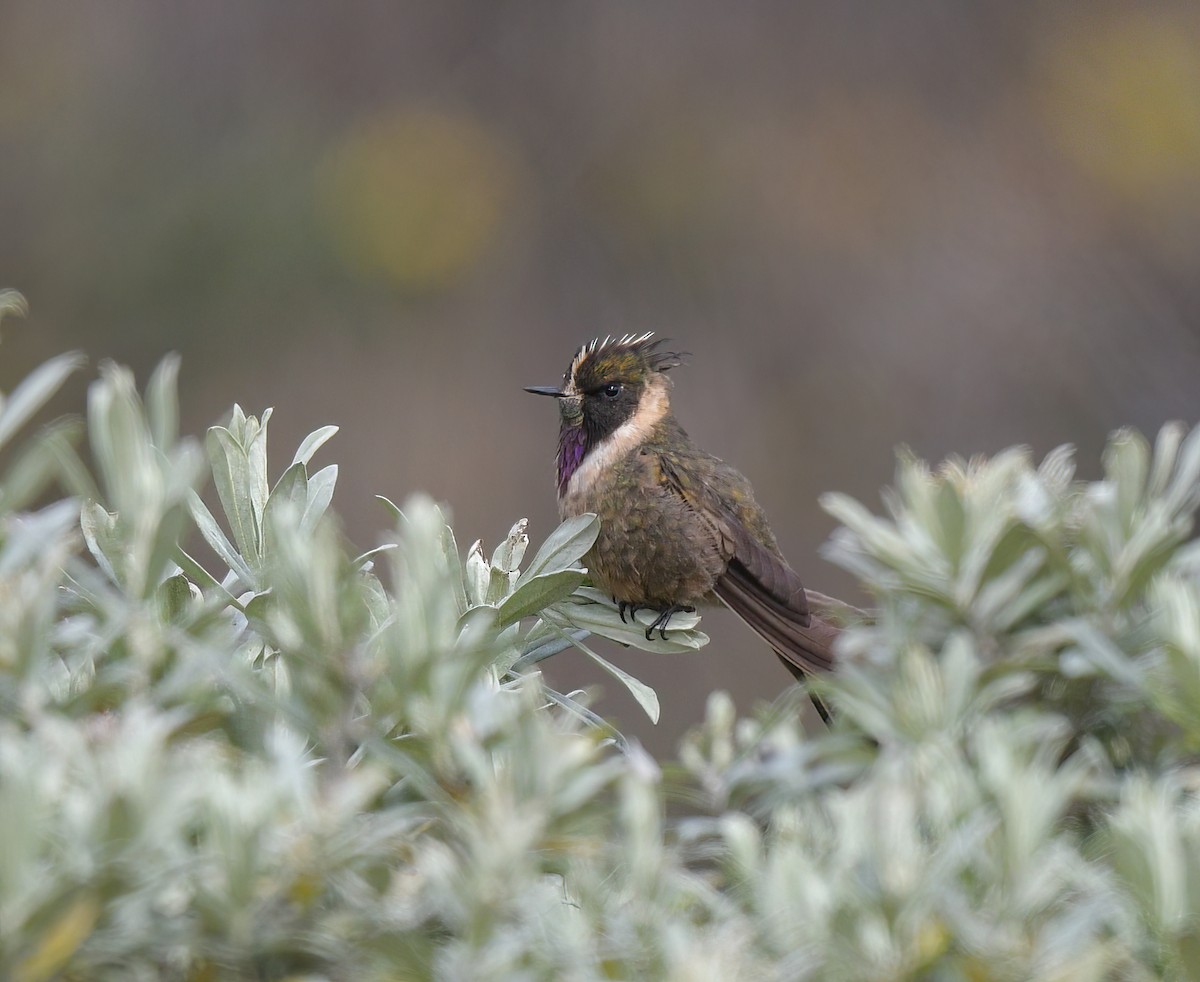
(664, 616)
(659, 623)
(627, 605)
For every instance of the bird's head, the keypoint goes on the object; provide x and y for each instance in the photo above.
(613, 387)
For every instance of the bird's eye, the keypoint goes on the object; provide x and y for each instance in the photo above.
(612, 390)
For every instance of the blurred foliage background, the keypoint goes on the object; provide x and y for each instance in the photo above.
(956, 226)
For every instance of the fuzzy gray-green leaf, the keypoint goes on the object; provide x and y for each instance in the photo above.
(320, 493)
(509, 553)
(538, 592)
(162, 403)
(256, 459)
(645, 696)
(565, 546)
(231, 475)
(35, 391)
(216, 538)
(312, 443)
(98, 526)
(292, 487)
(587, 608)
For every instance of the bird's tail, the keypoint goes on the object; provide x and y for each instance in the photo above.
(801, 628)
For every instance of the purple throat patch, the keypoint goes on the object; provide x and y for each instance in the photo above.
(572, 445)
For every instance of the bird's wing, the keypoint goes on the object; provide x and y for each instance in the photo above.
(732, 514)
(758, 585)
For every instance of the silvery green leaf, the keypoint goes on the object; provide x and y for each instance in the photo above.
(508, 644)
(539, 632)
(547, 648)
(565, 547)
(880, 536)
(1100, 651)
(681, 620)
(120, 439)
(499, 585)
(744, 842)
(391, 506)
(1177, 608)
(509, 553)
(312, 443)
(997, 596)
(237, 423)
(292, 487)
(960, 668)
(1147, 836)
(12, 304)
(585, 610)
(291, 492)
(366, 560)
(1057, 469)
(378, 602)
(477, 574)
(476, 622)
(1183, 491)
(645, 696)
(1126, 463)
(162, 402)
(199, 575)
(256, 607)
(320, 493)
(34, 391)
(23, 538)
(256, 459)
(1032, 598)
(157, 559)
(582, 712)
(174, 596)
(1166, 453)
(231, 475)
(951, 521)
(1034, 504)
(98, 527)
(454, 567)
(1177, 686)
(215, 537)
(535, 594)
(39, 463)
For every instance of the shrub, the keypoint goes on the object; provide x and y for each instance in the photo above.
(307, 763)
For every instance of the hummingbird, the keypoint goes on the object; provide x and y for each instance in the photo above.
(678, 526)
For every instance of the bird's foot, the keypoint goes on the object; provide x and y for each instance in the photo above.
(625, 605)
(664, 616)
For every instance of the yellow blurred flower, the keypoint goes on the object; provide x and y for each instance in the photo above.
(1122, 99)
(417, 197)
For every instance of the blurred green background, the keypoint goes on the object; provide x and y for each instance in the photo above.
(953, 225)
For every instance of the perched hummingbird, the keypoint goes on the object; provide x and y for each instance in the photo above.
(678, 526)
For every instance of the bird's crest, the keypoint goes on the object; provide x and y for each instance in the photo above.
(628, 358)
